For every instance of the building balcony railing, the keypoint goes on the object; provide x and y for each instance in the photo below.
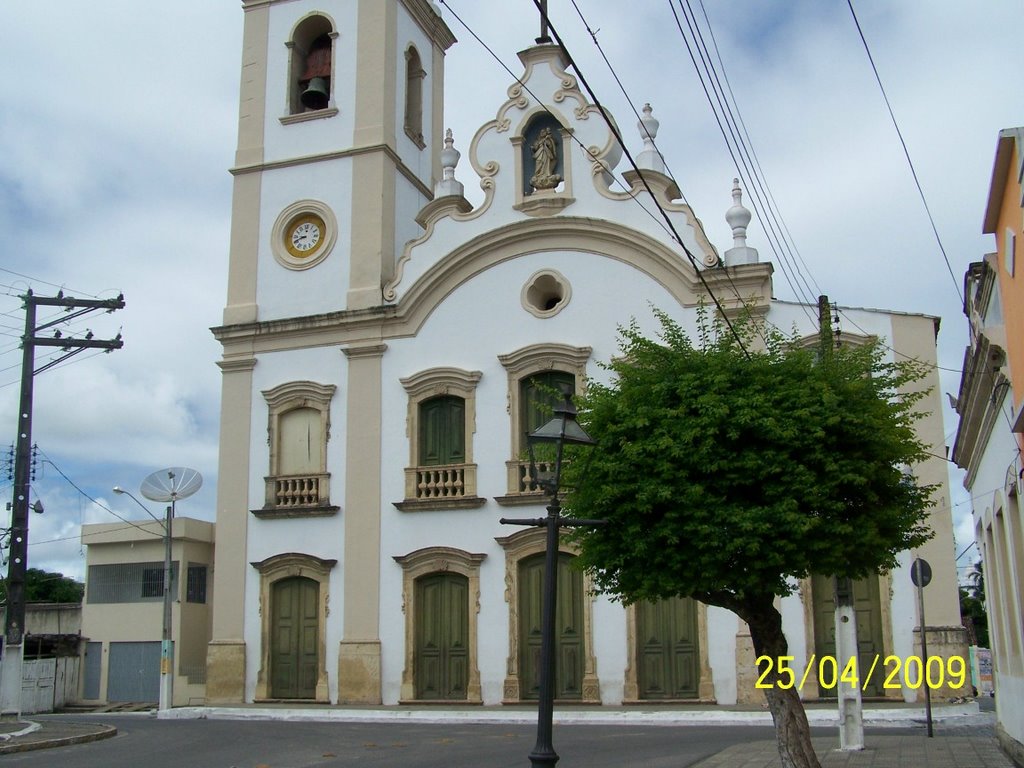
(443, 481)
(520, 479)
(297, 495)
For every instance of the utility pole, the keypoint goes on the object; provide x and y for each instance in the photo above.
(824, 326)
(14, 629)
(851, 707)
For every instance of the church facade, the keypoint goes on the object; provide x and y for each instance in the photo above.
(387, 345)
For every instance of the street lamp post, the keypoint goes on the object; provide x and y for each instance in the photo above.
(166, 679)
(561, 429)
(167, 485)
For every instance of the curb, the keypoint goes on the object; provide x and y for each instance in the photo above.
(100, 732)
(702, 717)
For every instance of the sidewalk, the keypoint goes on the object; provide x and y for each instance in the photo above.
(963, 735)
(881, 751)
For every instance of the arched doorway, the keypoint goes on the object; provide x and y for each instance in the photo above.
(295, 630)
(441, 660)
(293, 598)
(569, 632)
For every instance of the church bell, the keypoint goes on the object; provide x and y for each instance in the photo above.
(316, 95)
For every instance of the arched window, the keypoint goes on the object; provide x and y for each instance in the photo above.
(414, 75)
(300, 442)
(441, 421)
(311, 65)
(539, 393)
(537, 376)
(298, 428)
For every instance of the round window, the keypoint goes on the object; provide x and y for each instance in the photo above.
(545, 293)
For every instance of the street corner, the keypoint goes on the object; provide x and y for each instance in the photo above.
(26, 736)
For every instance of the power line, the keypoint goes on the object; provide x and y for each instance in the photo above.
(44, 282)
(621, 143)
(618, 137)
(788, 239)
(906, 152)
(647, 136)
(98, 503)
(740, 163)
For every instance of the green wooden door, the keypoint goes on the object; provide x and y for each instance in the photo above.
(294, 638)
(668, 662)
(441, 657)
(868, 606)
(569, 649)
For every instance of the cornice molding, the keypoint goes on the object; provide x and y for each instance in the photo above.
(291, 162)
(430, 22)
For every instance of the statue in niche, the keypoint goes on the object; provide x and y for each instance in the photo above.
(545, 160)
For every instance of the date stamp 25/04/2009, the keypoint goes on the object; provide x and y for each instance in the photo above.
(910, 672)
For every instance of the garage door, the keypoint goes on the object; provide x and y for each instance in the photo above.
(133, 672)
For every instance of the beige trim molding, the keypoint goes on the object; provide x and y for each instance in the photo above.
(226, 665)
(359, 653)
(237, 365)
(305, 117)
(520, 545)
(284, 566)
(543, 202)
(280, 400)
(279, 233)
(538, 289)
(402, 168)
(309, 28)
(656, 259)
(430, 22)
(424, 562)
(423, 386)
(579, 235)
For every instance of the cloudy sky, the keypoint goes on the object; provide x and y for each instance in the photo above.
(117, 129)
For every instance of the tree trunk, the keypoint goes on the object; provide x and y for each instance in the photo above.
(792, 732)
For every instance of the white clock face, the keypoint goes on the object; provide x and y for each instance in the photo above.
(305, 236)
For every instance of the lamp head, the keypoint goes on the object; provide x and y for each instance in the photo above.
(118, 489)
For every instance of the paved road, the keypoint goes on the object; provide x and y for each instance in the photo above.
(150, 743)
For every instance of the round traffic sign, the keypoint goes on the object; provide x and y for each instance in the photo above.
(920, 572)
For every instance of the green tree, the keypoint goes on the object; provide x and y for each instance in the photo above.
(46, 587)
(726, 476)
(972, 605)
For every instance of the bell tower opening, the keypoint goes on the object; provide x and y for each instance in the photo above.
(312, 53)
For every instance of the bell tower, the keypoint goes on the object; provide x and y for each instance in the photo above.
(341, 105)
(340, 122)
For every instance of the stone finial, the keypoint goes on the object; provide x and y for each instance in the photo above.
(449, 159)
(738, 217)
(649, 158)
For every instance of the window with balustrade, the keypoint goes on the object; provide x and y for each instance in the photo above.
(298, 431)
(537, 375)
(440, 425)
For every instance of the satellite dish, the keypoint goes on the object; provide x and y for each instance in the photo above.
(171, 484)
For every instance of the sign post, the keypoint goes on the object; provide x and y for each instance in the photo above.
(921, 575)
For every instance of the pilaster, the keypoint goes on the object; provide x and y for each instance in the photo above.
(359, 657)
(225, 660)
